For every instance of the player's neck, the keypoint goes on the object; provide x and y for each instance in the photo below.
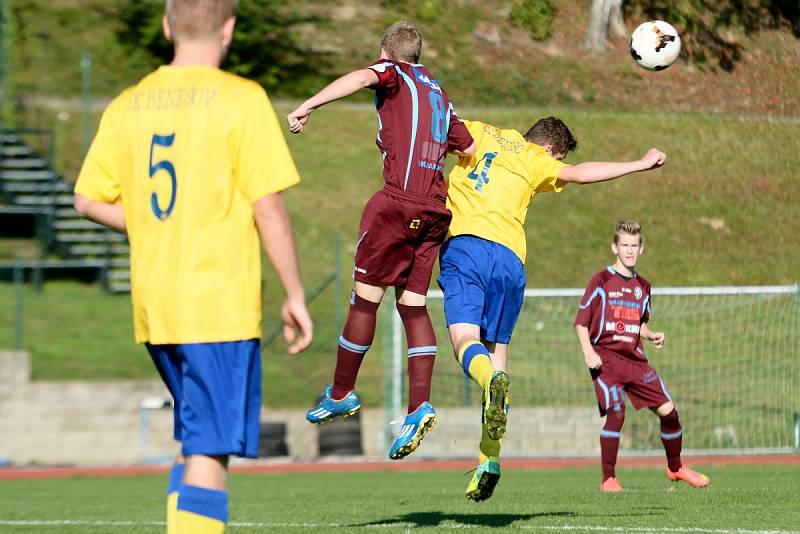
(197, 53)
(621, 269)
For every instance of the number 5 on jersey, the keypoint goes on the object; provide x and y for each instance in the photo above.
(166, 166)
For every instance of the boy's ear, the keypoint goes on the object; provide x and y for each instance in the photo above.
(614, 248)
(166, 28)
(641, 249)
(548, 148)
(227, 31)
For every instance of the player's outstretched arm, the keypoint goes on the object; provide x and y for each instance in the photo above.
(107, 214)
(590, 356)
(656, 338)
(275, 230)
(339, 88)
(601, 171)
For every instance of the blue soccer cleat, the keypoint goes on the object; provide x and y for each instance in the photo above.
(328, 409)
(416, 425)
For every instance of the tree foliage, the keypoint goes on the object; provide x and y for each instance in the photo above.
(710, 28)
(266, 47)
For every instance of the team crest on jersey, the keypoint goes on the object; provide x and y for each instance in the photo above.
(424, 79)
(637, 293)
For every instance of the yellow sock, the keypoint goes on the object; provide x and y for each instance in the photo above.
(191, 523)
(476, 362)
(172, 513)
(489, 447)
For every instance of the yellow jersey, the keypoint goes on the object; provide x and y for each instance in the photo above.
(187, 151)
(489, 193)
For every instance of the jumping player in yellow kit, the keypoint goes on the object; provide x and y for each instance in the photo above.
(190, 162)
(482, 264)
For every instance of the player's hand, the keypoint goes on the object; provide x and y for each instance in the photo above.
(653, 159)
(296, 318)
(592, 360)
(657, 339)
(297, 119)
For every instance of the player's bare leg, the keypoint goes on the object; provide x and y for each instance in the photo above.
(421, 338)
(672, 438)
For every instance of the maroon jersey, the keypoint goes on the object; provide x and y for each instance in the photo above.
(417, 127)
(613, 309)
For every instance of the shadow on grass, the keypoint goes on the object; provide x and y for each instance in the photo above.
(433, 519)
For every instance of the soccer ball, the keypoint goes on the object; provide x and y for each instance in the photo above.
(655, 45)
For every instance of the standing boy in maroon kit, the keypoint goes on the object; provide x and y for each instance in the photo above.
(402, 226)
(611, 320)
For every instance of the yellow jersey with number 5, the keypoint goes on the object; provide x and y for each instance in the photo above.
(489, 193)
(187, 151)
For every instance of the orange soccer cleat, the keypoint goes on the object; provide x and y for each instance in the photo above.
(698, 480)
(610, 485)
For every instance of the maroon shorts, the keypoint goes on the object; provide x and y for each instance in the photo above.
(619, 376)
(399, 239)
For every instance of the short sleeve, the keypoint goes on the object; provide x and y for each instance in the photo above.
(458, 136)
(99, 179)
(388, 77)
(543, 171)
(264, 164)
(590, 303)
(646, 307)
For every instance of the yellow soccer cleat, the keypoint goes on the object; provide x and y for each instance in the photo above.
(496, 400)
(484, 479)
(693, 478)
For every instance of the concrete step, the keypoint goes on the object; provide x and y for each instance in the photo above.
(120, 275)
(77, 224)
(119, 287)
(28, 174)
(44, 200)
(67, 213)
(23, 163)
(10, 139)
(90, 237)
(16, 151)
(44, 187)
(116, 249)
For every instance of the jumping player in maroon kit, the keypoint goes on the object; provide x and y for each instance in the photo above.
(611, 320)
(402, 226)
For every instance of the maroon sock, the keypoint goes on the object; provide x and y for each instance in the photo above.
(609, 441)
(672, 438)
(421, 352)
(359, 330)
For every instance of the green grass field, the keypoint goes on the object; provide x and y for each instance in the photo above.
(741, 499)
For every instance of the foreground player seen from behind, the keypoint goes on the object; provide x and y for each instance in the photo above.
(611, 322)
(190, 162)
(483, 261)
(402, 226)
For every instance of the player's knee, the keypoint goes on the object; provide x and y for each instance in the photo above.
(615, 419)
(671, 419)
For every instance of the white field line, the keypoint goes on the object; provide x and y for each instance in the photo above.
(398, 525)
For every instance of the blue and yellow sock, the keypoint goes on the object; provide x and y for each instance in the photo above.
(202, 510)
(477, 363)
(173, 487)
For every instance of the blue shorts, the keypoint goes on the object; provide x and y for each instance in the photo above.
(483, 284)
(217, 393)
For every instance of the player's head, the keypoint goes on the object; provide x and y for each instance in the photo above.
(402, 41)
(203, 21)
(628, 243)
(552, 135)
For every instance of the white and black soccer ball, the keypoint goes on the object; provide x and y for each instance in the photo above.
(655, 45)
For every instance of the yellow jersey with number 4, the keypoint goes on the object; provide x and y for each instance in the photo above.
(187, 151)
(489, 193)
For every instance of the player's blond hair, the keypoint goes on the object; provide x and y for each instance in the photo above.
(630, 228)
(198, 20)
(402, 41)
